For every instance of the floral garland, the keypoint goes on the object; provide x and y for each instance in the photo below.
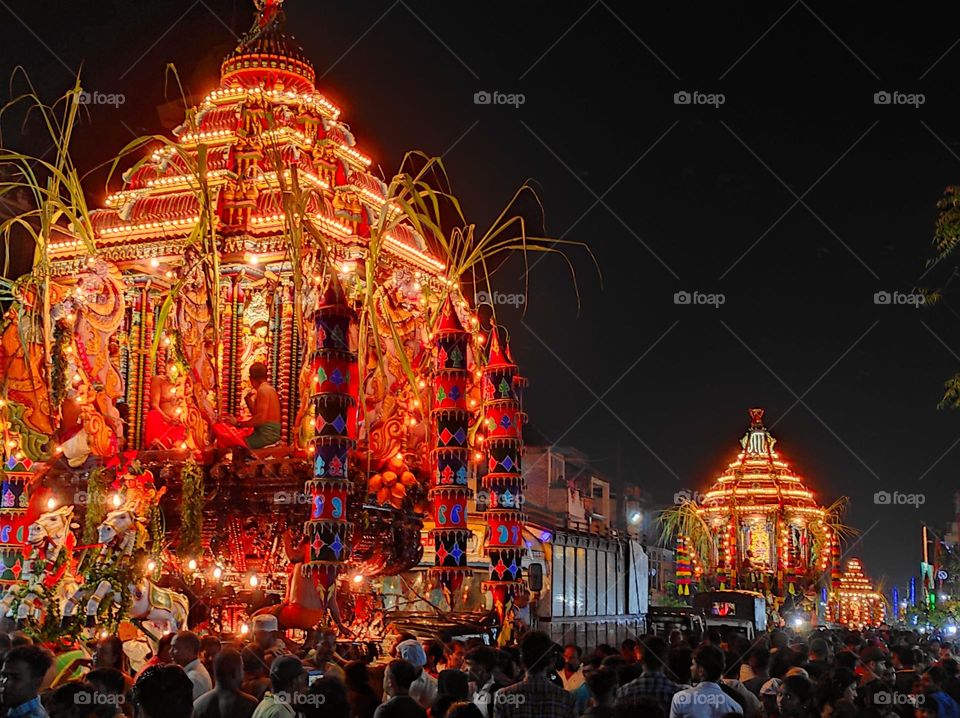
(97, 486)
(191, 511)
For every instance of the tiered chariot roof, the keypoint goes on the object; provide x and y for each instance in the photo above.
(266, 108)
(759, 480)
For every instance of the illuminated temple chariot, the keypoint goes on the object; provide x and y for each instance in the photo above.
(855, 602)
(758, 528)
(259, 235)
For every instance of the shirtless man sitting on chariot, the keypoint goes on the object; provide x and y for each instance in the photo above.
(263, 427)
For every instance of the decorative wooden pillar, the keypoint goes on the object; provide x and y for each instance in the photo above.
(231, 330)
(450, 456)
(503, 482)
(327, 533)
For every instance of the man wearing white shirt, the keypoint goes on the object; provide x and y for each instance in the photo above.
(706, 699)
(185, 651)
(571, 675)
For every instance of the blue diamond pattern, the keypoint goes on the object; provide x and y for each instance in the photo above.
(336, 545)
(505, 422)
(337, 377)
(455, 393)
(456, 552)
(507, 463)
(513, 568)
(460, 436)
(339, 424)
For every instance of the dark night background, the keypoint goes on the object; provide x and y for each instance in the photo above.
(690, 195)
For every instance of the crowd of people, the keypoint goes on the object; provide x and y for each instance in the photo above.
(823, 674)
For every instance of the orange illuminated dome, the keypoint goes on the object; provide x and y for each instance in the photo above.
(767, 528)
(263, 128)
(759, 480)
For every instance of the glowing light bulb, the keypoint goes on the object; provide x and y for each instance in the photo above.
(244, 629)
(254, 581)
(51, 504)
(358, 578)
(192, 564)
(183, 445)
(217, 572)
(154, 262)
(151, 565)
(399, 456)
(116, 500)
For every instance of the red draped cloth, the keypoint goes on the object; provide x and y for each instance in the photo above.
(230, 437)
(161, 431)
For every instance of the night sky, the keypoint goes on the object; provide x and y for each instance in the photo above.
(797, 199)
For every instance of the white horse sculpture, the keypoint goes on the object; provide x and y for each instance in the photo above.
(47, 539)
(117, 534)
